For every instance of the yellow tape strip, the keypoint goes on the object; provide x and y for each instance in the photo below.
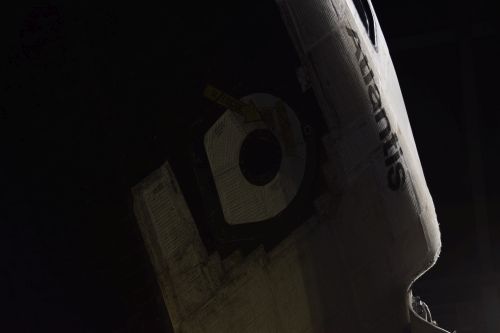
(248, 110)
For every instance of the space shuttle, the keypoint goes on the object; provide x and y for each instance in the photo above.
(308, 216)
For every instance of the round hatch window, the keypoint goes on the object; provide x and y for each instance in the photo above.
(260, 157)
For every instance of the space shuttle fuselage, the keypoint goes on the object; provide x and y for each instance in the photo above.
(350, 264)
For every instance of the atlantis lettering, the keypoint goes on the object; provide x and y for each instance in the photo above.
(396, 174)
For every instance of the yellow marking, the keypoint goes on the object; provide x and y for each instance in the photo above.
(248, 110)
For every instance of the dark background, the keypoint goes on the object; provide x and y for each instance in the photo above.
(95, 97)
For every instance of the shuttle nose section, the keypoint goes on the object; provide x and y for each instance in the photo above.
(338, 182)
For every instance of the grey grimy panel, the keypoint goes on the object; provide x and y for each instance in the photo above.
(185, 273)
(347, 268)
